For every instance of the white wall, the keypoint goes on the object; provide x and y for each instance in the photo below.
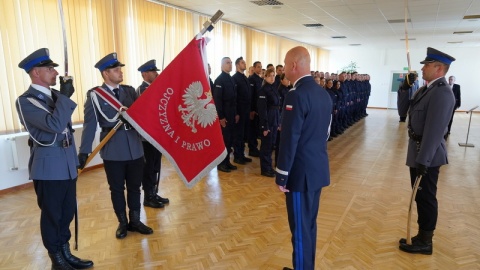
(11, 178)
(380, 63)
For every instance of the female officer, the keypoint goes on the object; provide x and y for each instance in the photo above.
(268, 104)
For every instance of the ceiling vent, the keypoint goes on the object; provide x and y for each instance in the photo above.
(267, 3)
(355, 44)
(313, 25)
(398, 21)
(462, 32)
(454, 42)
(402, 39)
(471, 17)
(339, 37)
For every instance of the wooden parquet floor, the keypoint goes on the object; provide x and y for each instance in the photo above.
(238, 220)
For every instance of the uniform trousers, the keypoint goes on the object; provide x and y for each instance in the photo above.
(227, 133)
(57, 202)
(119, 174)
(266, 150)
(426, 198)
(252, 135)
(152, 166)
(302, 210)
(240, 132)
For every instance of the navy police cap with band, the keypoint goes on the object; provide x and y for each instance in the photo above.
(39, 58)
(434, 55)
(148, 66)
(109, 61)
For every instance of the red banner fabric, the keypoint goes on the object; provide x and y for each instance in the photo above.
(177, 115)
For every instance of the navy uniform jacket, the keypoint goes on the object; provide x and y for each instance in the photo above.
(268, 105)
(429, 115)
(224, 96)
(125, 144)
(52, 162)
(456, 93)
(303, 159)
(244, 93)
(142, 88)
(255, 84)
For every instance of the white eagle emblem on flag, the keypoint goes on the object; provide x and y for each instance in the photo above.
(197, 111)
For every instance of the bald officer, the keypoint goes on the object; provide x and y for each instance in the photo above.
(123, 154)
(153, 157)
(429, 115)
(46, 114)
(302, 167)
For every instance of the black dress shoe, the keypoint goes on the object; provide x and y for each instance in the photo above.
(151, 201)
(223, 168)
(73, 261)
(121, 231)
(239, 161)
(161, 199)
(246, 159)
(287, 268)
(417, 247)
(268, 174)
(231, 166)
(404, 240)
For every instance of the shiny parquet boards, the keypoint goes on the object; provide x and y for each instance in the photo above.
(238, 220)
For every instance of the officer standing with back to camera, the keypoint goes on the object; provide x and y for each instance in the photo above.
(429, 115)
(46, 115)
(123, 154)
(153, 157)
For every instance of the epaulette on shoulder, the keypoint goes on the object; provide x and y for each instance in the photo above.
(441, 84)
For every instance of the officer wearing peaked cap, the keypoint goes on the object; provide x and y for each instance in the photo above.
(153, 157)
(123, 154)
(46, 115)
(429, 115)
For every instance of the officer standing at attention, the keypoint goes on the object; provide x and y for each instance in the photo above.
(429, 115)
(244, 99)
(46, 115)
(123, 154)
(153, 157)
(225, 100)
(255, 84)
(302, 168)
(268, 105)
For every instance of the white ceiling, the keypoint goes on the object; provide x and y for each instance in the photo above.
(360, 21)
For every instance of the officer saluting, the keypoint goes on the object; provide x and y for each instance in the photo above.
(429, 115)
(46, 114)
(123, 154)
(153, 157)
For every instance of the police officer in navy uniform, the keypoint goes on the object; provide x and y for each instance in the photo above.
(302, 168)
(255, 84)
(123, 154)
(244, 99)
(268, 104)
(46, 115)
(153, 157)
(429, 115)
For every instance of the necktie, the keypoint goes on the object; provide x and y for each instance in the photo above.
(115, 91)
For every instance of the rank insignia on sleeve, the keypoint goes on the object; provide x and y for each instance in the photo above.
(289, 107)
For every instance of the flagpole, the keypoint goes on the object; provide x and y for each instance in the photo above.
(208, 25)
(100, 145)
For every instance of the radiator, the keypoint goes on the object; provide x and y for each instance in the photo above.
(20, 151)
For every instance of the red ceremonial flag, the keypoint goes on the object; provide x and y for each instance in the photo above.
(177, 115)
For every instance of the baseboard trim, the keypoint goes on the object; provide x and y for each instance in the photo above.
(30, 184)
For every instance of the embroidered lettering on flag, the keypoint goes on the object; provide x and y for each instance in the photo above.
(288, 107)
(177, 115)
